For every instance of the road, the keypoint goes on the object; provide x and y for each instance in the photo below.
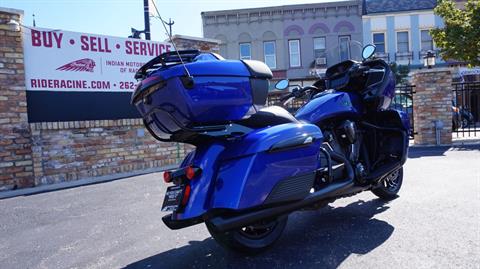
(435, 223)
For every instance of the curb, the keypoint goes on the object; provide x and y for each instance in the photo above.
(80, 182)
(455, 143)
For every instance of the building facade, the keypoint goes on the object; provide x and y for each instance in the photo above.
(400, 29)
(295, 41)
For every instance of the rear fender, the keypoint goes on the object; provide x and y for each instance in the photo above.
(204, 157)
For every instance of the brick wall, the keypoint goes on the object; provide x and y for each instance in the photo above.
(16, 169)
(64, 151)
(432, 101)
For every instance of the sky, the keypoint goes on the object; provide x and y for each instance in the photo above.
(116, 17)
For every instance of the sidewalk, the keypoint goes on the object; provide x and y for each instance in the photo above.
(80, 182)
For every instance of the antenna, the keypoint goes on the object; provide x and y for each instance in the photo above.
(173, 43)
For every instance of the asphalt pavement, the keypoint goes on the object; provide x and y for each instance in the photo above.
(435, 223)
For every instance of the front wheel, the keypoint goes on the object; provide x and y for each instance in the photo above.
(390, 185)
(251, 239)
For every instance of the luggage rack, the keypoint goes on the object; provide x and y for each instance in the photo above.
(167, 59)
(224, 130)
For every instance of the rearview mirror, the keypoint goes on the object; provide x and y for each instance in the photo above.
(282, 84)
(368, 51)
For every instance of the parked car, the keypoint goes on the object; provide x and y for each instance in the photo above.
(461, 117)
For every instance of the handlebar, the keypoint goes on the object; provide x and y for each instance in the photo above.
(297, 92)
(358, 70)
(286, 97)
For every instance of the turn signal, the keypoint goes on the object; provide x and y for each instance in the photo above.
(191, 172)
(186, 195)
(167, 176)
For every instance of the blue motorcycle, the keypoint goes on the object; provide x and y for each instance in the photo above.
(253, 165)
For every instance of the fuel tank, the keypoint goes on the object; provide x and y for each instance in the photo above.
(328, 105)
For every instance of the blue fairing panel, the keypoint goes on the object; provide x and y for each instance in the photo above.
(405, 119)
(328, 106)
(264, 139)
(246, 182)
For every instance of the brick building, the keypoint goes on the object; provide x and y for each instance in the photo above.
(295, 41)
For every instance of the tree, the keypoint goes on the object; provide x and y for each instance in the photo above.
(401, 73)
(460, 38)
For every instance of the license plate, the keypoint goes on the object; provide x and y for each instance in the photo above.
(173, 197)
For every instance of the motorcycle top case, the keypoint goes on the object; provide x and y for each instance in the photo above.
(217, 92)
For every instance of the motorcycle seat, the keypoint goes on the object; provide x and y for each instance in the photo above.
(268, 116)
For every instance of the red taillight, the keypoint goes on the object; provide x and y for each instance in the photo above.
(186, 195)
(192, 172)
(167, 176)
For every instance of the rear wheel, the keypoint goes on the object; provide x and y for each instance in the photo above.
(390, 185)
(251, 239)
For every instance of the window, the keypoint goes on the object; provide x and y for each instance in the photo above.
(294, 52)
(426, 39)
(245, 51)
(379, 42)
(402, 42)
(269, 53)
(319, 47)
(344, 42)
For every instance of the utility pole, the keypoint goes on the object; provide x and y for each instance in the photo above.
(170, 23)
(146, 15)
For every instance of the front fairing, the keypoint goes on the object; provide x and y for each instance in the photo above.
(330, 104)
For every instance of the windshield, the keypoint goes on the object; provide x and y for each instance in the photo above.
(346, 50)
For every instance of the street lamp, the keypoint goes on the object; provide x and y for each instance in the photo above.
(429, 59)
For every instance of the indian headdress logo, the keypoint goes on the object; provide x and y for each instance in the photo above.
(83, 65)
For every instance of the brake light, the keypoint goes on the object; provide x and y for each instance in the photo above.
(186, 195)
(167, 176)
(191, 172)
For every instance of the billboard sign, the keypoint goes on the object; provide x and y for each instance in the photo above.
(74, 76)
(57, 60)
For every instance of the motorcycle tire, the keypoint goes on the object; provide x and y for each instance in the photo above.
(251, 239)
(390, 186)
